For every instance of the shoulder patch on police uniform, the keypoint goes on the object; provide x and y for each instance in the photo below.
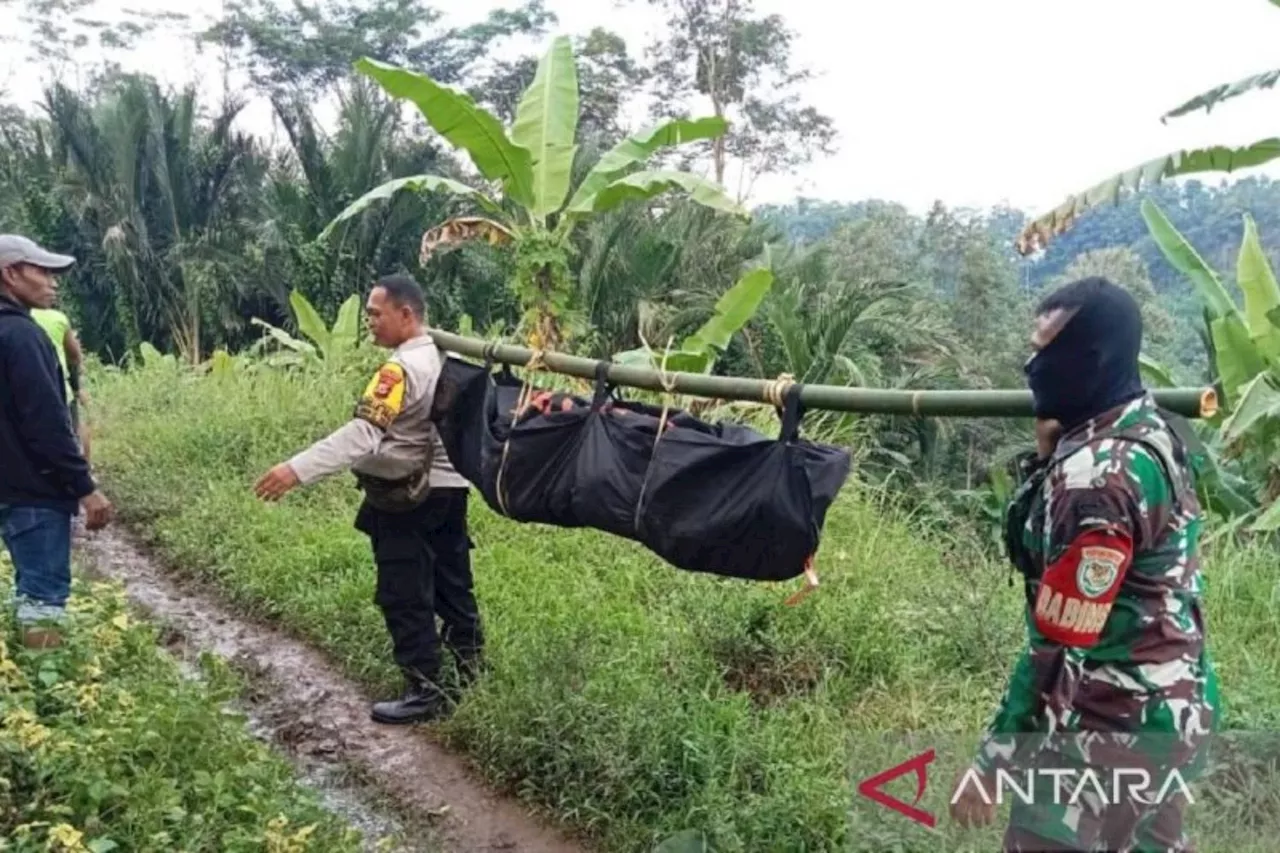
(1098, 570)
(383, 397)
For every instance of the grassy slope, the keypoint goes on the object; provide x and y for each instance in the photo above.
(627, 697)
(105, 744)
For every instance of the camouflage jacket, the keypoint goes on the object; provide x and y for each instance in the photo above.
(1116, 635)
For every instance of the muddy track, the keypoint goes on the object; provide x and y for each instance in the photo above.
(319, 717)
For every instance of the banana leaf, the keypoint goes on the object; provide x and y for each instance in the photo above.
(458, 118)
(646, 185)
(546, 123)
(1210, 99)
(636, 149)
(1041, 231)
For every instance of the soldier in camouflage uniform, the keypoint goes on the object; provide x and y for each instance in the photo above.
(1105, 530)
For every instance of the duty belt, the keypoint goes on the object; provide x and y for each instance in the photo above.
(400, 495)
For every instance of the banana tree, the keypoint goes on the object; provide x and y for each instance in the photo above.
(1244, 347)
(1219, 158)
(530, 165)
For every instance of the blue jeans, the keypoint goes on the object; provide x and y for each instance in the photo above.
(39, 542)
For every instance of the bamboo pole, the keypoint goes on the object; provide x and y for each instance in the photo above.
(1189, 402)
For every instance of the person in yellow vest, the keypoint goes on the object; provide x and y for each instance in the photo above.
(70, 357)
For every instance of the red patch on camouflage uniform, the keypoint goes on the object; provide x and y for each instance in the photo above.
(1077, 591)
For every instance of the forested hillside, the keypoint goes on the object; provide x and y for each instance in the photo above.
(1112, 241)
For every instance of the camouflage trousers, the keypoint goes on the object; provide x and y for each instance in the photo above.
(1078, 829)
(1101, 792)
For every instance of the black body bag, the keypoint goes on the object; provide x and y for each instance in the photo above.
(613, 460)
(730, 501)
(472, 411)
(529, 462)
(457, 409)
(722, 499)
(583, 466)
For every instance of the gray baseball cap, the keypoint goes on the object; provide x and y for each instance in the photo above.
(15, 249)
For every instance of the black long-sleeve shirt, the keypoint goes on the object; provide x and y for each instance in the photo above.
(40, 459)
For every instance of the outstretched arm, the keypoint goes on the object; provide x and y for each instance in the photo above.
(381, 402)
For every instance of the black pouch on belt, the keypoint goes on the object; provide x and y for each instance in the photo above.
(401, 495)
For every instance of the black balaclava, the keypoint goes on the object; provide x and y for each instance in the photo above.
(1092, 365)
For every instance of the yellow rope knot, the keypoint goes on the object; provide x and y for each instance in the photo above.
(775, 392)
(535, 361)
(1209, 403)
(666, 379)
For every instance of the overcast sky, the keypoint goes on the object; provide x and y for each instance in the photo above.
(974, 103)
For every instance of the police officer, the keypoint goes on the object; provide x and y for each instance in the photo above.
(414, 509)
(1105, 530)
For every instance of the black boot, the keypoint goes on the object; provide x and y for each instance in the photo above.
(421, 702)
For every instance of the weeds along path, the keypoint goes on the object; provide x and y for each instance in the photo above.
(320, 717)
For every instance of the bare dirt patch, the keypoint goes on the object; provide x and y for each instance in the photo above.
(768, 681)
(321, 718)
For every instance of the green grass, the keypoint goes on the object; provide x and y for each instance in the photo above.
(106, 745)
(627, 698)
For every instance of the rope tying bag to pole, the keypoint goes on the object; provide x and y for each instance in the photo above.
(722, 499)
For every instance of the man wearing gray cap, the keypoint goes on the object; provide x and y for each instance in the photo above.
(43, 476)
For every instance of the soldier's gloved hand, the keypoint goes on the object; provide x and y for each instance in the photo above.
(275, 483)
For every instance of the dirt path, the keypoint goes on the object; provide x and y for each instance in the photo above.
(314, 713)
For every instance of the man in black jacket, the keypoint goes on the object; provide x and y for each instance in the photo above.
(43, 476)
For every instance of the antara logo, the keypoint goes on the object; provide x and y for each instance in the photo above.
(870, 788)
(1117, 793)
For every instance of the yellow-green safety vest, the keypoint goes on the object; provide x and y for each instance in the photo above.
(56, 325)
